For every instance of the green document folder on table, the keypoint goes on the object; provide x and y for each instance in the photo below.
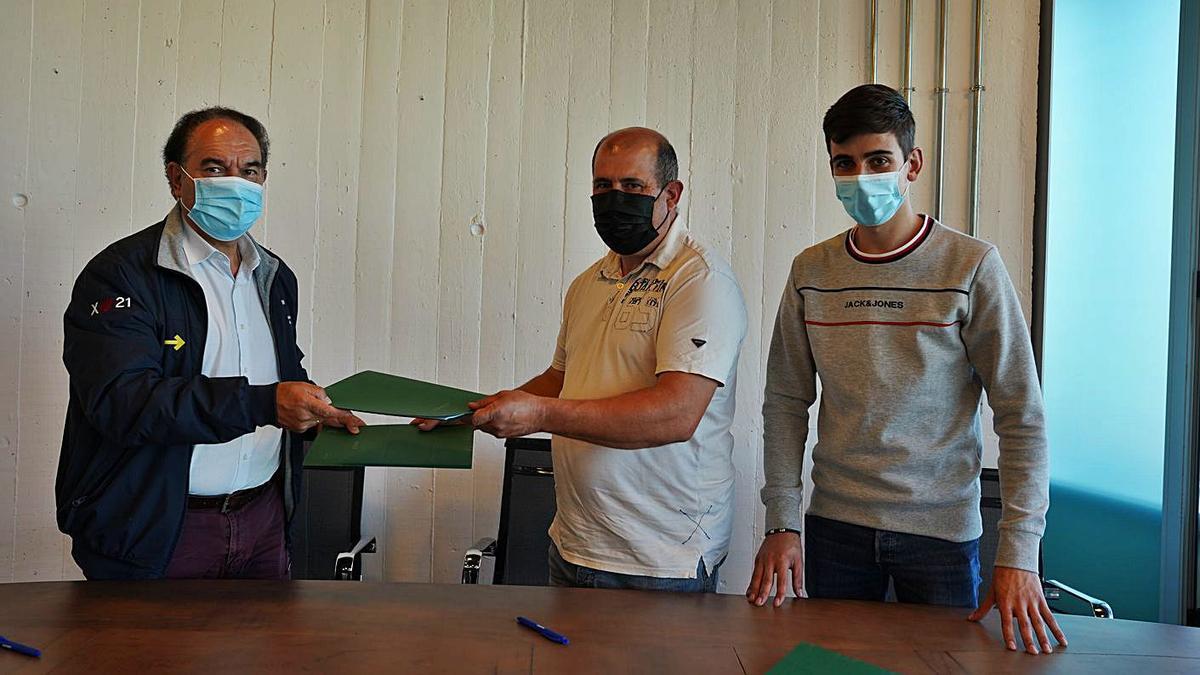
(445, 447)
(809, 658)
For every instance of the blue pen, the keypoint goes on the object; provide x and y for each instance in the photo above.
(545, 632)
(19, 648)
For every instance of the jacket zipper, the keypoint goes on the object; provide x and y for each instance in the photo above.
(187, 481)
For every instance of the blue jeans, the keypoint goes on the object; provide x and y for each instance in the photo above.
(563, 573)
(851, 562)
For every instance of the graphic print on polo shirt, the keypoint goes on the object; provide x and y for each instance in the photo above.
(639, 305)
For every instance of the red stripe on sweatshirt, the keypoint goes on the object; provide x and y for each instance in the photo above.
(881, 323)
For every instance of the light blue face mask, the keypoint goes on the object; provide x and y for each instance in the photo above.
(226, 206)
(871, 199)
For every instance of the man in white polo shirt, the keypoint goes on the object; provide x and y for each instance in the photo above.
(640, 394)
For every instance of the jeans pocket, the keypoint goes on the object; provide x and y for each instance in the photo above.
(711, 579)
(585, 577)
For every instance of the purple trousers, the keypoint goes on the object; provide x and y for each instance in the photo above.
(248, 543)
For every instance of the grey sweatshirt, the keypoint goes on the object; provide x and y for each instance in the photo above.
(903, 346)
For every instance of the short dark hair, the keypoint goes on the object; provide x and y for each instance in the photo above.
(870, 109)
(666, 165)
(177, 142)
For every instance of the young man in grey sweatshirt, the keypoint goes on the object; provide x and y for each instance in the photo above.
(906, 322)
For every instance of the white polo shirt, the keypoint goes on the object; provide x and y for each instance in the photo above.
(239, 343)
(655, 511)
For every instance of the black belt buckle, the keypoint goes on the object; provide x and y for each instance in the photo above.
(233, 501)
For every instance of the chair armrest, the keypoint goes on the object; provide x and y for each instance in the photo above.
(343, 567)
(474, 556)
(1100, 608)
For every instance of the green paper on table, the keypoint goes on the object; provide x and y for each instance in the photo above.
(809, 658)
(385, 394)
(445, 447)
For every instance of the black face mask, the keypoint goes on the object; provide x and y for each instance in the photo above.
(625, 220)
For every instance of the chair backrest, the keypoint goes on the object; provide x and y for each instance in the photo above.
(526, 509)
(327, 521)
(989, 508)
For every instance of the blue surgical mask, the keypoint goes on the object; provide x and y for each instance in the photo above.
(871, 199)
(226, 206)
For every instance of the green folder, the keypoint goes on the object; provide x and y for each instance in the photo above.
(445, 447)
(385, 394)
(809, 658)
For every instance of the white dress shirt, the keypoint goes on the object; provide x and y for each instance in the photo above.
(239, 343)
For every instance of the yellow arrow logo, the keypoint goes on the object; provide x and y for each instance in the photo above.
(177, 343)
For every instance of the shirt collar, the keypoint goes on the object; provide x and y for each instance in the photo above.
(660, 257)
(908, 247)
(198, 250)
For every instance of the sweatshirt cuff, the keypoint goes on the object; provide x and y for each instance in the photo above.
(783, 512)
(263, 411)
(1018, 549)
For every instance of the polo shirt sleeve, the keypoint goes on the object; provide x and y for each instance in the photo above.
(560, 347)
(702, 326)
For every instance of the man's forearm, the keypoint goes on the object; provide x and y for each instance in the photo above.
(659, 415)
(548, 383)
(631, 421)
(785, 434)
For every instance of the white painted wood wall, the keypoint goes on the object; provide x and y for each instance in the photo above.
(397, 125)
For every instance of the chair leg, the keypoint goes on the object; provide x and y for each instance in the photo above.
(473, 559)
(1100, 608)
(343, 567)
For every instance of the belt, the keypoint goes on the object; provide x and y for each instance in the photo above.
(229, 502)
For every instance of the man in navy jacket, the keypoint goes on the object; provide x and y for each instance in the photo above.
(180, 342)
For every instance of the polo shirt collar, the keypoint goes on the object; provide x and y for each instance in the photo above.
(660, 257)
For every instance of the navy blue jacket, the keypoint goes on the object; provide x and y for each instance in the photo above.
(138, 404)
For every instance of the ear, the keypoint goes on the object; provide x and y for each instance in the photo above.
(175, 180)
(916, 161)
(674, 193)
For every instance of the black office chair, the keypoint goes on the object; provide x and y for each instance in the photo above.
(989, 508)
(526, 510)
(327, 539)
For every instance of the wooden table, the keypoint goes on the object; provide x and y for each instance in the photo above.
(331, 626)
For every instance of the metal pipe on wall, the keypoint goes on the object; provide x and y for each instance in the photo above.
(874, 41)
(908, 50)
(1041, 182)
(977, 93)
(941, 91)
